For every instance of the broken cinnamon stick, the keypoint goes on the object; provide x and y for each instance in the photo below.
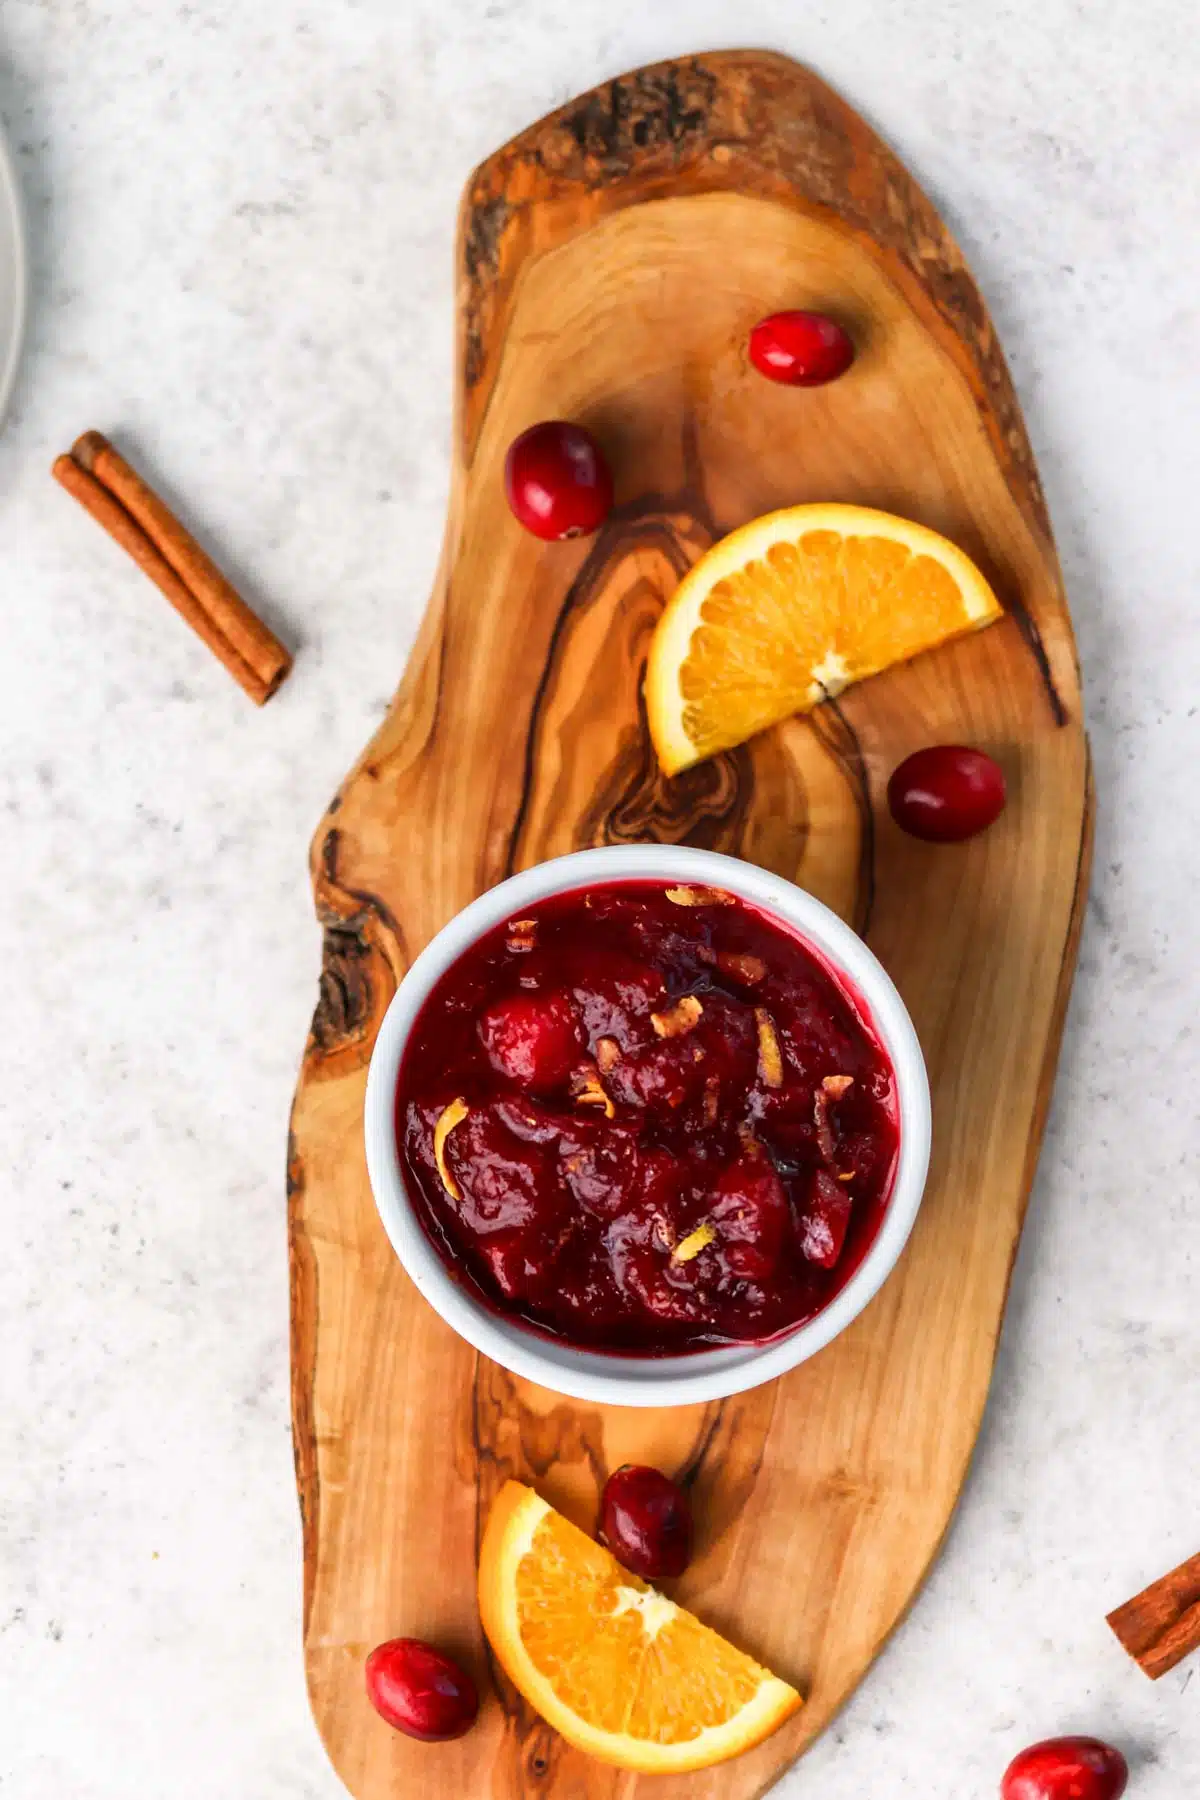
(1161, 1625)
(133, 515)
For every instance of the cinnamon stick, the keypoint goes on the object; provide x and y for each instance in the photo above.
(1161, 1625)
(133, 515)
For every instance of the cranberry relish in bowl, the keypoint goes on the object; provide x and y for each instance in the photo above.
(651, 1111)
(645, 1117)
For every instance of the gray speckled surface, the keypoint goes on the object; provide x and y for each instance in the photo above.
(241, 222)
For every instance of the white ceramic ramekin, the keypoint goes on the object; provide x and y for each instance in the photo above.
(629, 1380)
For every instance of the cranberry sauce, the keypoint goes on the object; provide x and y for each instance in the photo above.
(647, 1119)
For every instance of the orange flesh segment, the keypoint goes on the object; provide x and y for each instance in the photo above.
(792, 609)
(620, 1670)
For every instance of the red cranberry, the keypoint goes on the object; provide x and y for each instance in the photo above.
(602, 1174)
(750, 1215)
(420, 1691)
(826, 1221)
(557, 481)
(532, 1038)
(801, 349)
(646, 1521)
(658, 1078)
(946, 793)
(1066, 1768)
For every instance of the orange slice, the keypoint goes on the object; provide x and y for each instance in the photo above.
(618, 1669)
(791, 609)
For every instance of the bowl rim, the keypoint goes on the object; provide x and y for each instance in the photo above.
(606, 1377)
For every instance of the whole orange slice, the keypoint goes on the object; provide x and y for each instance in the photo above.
(791, 609)
(618, 1669)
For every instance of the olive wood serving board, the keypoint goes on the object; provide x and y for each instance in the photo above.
(611, 262)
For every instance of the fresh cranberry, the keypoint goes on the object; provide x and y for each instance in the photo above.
(532, 1038)
(1066, 1768)
(646, 1521)
(557, 481)
(420, 1690)
(825, 1223)
(946, 793)
(801, 349)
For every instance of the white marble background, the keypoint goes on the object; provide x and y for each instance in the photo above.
(241, 222)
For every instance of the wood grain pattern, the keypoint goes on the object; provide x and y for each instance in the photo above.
(611, 262)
